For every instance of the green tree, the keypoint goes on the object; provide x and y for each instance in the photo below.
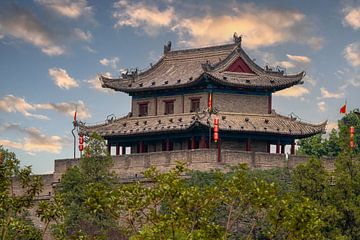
(313, 146)
(14, 223)
(332, 146)
(84, 190)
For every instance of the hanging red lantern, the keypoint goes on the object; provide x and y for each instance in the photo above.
(352, 134)
(216, 129)
(81, 143)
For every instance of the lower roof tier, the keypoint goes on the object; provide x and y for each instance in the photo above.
(268, 124)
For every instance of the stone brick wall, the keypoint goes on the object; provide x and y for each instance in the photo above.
(131, 165)
(241, 103)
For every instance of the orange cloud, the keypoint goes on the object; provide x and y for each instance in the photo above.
(296, 91)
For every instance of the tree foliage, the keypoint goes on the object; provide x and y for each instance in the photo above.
(337, 140)
(14, 223)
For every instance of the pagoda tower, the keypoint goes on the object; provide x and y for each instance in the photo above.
(175, 102)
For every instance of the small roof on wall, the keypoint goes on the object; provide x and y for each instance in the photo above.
(227, 65)
(272, 124)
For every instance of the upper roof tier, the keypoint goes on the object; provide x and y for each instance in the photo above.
(227, 65)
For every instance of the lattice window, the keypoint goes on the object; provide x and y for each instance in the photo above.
(143, 109)
(169, 107)
(195, 105)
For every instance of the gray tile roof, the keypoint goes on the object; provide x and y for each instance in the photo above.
(184, 68)
(273, 123)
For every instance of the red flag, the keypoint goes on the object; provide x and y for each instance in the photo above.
(75, 116)
(343, 109)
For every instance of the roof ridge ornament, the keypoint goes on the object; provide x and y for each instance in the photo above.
(237, 39)
(133, 73)
(167, 47)
(207, 66)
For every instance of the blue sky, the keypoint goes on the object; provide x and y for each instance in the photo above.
(51, 52)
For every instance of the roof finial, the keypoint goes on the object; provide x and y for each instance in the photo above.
(237, 39)
(167, 47)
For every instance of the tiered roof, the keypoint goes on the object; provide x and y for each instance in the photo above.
(273, 124)
(227, 65)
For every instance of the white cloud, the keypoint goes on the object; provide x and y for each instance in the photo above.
(326, 94)
(296, 91)
(68, 8)
(112, 62)
(84, 36)
(89, 49)
(352, 53)
(67, 108)
(11, 144)
(62, 79)
(21, 24)
(352, 17)
(251, 21)
(322, 106)
(149, 18)
(95, 83)
(12, 103)
(300, 59)
(34, 140)
(286, 64)
(350, 76)
(207, 29)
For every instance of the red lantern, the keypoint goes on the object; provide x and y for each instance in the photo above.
(352, 130)
(81, 143)
(216, 129)
(352, 133)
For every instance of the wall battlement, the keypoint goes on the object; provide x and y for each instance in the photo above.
(130, 167)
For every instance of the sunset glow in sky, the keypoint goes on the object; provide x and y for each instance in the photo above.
(52, 50)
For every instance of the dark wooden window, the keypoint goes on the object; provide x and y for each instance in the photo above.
(169, 107)
(143, 109)
(195, 105)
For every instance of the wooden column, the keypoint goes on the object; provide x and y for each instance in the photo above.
(167, 144)
(283, 148)
(278, 147)
(269, 104)
(248, 145)
(117, 149)
(219, 150)
(141, 147)
(202, 142)
(123, 150)
(268, 149)
(292, 149)
(183, 103)
(109, 148)
(156, 105)
(192, 142)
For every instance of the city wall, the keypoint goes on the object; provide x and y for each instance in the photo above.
(130, 167)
